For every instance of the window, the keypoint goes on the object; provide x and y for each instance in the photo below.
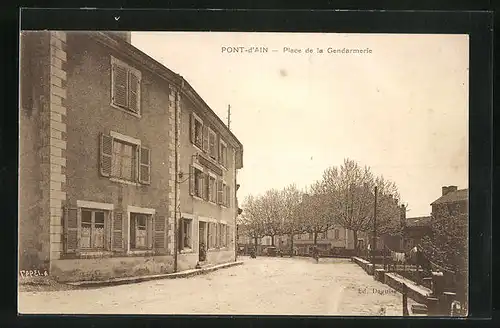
(225, 194)
(212, 189)
(336, 234)
(125, 86)
(223, 235)
(196, 131)
(212, 149)
(124, 158)
(140, 231)
(223, 153)
(185, 234)
(93, 229)
(199, 178)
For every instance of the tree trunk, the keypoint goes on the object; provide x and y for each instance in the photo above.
(315, 234)
(355, 236)
(272, 241)
(291, 245)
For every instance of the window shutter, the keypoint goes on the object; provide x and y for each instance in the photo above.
(206, 194)
(145, 166)
(219, 192)
(159, 234)
(119, 85)
(117, 235)
(205, 138)
(220, 152)
(191, 180)
(192, 129)
(106, 155)
(134, 92)
(150, 226)
(228, 196)
(71, 229)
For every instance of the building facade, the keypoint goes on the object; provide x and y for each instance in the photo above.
(106, 162)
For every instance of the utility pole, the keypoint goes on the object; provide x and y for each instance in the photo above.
(229, 117)
(374, 242)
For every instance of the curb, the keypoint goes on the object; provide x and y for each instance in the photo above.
(132, 280)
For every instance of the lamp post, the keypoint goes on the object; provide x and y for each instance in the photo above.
(374, 241)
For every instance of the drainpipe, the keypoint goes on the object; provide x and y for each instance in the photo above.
(176, 119)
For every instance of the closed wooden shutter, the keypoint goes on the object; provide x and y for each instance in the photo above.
(205, 139)
(220, 152)
(192, 180)
(145, 165)
(192, 129)
(228, 196)
(149, 229)
(206, 193)
(117, 231)
(219, 192)
(71, 229)
(134, 92)
(119, 84)
(160, 242)
(106, 150)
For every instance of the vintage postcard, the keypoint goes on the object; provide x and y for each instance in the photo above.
(240, 173)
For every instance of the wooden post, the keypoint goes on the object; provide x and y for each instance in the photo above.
(405, 300)
(374, 241)
(383, 257)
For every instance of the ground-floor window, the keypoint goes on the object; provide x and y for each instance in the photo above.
(185, 234)
(140, 231)
(93, 230)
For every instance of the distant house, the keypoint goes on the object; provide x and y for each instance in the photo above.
(452, 201)
(415, 229)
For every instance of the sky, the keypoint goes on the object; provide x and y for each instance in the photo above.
(401, 108)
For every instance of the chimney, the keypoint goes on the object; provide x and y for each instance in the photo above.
(124, 35)
(448, 189)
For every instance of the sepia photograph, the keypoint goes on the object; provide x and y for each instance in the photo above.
(243, 173)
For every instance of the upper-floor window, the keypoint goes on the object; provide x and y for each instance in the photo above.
(222, 153)
(196, 130)
(124, 158)
(212, 189)
(125, 86)
(212, 147)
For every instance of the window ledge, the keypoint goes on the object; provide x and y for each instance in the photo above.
(186, 251)
(140, 252)
(197, 147)
(198, 198)
(124, 181)
(93, 254)
(138, 115)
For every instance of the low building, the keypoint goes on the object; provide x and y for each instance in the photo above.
(124, 168)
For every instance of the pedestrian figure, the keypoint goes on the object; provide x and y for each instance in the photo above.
(316, 254)
(252, 253)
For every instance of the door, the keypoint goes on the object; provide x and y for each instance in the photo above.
(202, 241)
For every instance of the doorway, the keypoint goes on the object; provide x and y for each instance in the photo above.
(202, 253)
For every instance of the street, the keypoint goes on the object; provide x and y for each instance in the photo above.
(272, 286)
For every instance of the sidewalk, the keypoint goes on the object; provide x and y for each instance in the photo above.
(131, 280)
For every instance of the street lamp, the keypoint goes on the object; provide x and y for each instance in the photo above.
(374, 241)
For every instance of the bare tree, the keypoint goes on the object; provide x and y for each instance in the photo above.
(291, 199)
(351, 199)
(316, 217)
(251, 219)
(272, 210)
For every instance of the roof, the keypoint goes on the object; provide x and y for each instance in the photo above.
(452, 197)
(419, 221)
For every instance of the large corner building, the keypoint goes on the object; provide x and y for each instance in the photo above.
(124, 169)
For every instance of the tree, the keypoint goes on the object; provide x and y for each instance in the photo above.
(314, 208)
(272, 213)
(351, 199)
(447, 246)
(251, 220)
(292, 225)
